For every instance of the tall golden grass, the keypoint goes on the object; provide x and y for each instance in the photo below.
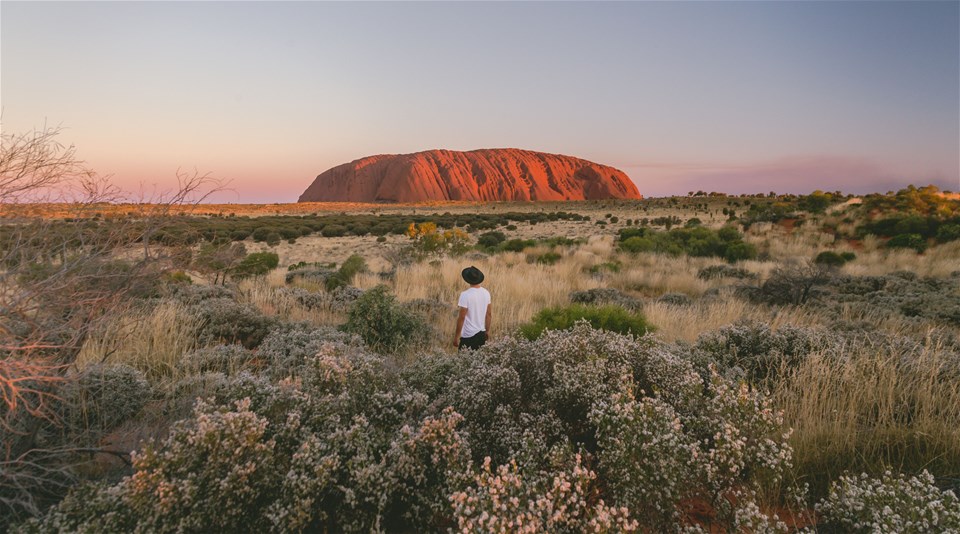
(151, 340)
(870, 410)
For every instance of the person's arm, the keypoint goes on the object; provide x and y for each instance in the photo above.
(456, 335)
(488, 320)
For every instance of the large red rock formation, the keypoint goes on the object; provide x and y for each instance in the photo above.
(488, 174)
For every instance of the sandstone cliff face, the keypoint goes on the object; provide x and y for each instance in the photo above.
(489, 174)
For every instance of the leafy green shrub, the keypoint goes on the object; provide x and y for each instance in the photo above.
(848, 256)
(740, 251)
(611, 266)
(891, 503)
(914, 241)
(382, 323)
(948, 232)
(256, 264)
(549, 258)
(516, 245)
(829, 258)
(491, 239)
(612, 318)
(695, 241)
(353, 265)
(333, 230)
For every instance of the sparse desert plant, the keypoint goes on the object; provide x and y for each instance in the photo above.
(714, 272)
(675, 299)
(605, 295)
(793, 284)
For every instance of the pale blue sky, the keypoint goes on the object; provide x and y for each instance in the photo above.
(728, 96)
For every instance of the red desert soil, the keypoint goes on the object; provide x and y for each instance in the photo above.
(488, 174)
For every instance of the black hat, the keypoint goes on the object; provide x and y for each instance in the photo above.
(472, 275)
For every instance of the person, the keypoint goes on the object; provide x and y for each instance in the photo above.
(473, 322)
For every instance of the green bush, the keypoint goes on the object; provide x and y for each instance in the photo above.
(830, 259)
(548, 258)
(335, 230)
(491, 239)
(256, 264)
(613, 318)
(517, 245)
(353, 265)
(740, 251)
(948, 232)
(382, 324)
(914, 241)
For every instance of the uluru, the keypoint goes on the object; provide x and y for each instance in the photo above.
(485, 175)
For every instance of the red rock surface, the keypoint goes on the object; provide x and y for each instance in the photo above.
(488, 174)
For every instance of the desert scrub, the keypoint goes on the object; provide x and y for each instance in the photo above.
(675, 299)
(758, 353)
(383, 324)
(891, 503)
(226, 359)
(612, 318)
(224, 320)
(605, 295)
(716, 272)
(101, 398)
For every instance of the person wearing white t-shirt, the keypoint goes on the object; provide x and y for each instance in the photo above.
(473, 323)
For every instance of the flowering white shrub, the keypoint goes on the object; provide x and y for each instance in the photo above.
(508, 500)
(891, 503)
(289, 346)
(647, 459)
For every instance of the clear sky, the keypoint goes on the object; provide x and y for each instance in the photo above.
(725, 96)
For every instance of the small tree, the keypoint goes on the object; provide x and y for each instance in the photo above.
(218, 259)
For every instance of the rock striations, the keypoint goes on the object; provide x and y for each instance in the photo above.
(488, 174)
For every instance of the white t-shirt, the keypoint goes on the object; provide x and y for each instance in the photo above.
(475, 300)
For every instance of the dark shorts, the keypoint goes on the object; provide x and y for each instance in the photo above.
(473, 342)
